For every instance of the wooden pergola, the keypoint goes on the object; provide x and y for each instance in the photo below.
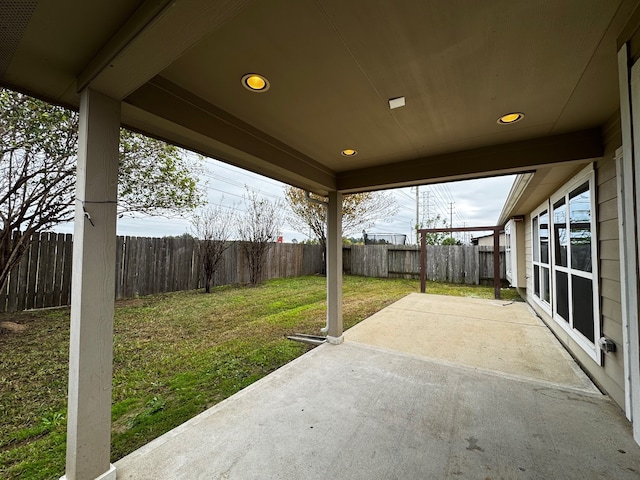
(496, 252)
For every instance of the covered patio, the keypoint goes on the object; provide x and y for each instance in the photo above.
(430, 387)
(334, 98)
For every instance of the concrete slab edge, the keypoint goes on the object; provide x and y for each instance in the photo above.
(592, 392)
(463, 317)
(108, 475)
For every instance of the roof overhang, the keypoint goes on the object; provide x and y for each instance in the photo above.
(333, 67)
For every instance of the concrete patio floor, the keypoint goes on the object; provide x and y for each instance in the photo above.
(429, 388)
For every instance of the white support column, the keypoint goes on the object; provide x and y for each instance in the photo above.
(92, 291)
(334, 268)
(629, 82)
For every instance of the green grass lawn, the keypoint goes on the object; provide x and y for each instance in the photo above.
(175, 355)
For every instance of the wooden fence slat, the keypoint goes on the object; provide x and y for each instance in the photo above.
(133, 273)
(165, 263)
(23, 280)
(471, 266)
(119, 260)
(178, 262)
(175, 279)
(145, 264)
(65, 294)
(41, 266)
(49, 280)
(159, 277)
(32, 275)
(56, 287)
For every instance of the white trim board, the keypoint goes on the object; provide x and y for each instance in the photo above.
(630, 115)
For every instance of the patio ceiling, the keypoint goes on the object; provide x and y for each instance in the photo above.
(333, 66)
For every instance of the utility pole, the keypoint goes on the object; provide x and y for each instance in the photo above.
(450, 214)
(426, 208)
(417, 214)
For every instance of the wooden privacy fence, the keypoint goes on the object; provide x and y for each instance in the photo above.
(154, 265)
(143, 266)
(42, 278)
(470, 265)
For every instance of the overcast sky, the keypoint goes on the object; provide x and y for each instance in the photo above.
(470, 203)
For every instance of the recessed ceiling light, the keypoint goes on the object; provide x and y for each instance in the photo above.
(348, 152)
(510, 118)
(255, 82)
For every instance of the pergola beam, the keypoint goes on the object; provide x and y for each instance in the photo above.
(496, 252)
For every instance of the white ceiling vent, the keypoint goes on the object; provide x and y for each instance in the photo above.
(396, 102)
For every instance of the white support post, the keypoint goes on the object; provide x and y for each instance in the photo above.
(334, 268)
(629, 82)
(92, 291)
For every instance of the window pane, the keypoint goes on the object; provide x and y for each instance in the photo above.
(582, 290)
(534, 227)
(562, 295)
(580, 222)
(560, 237)
(536, 280)
(545, 284)
(544, 237)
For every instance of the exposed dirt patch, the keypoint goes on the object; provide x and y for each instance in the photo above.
(12, 327)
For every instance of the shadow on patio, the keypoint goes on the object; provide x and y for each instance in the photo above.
(430, 387)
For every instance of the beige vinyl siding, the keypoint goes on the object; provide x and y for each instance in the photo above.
(609, 376)
(609, 259)
(608, 230)
(609, 249)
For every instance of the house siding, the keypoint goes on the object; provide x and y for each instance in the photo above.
(610, 376)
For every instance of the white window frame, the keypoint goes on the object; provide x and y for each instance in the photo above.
(511, 253)
(535, 235)
(591, 348)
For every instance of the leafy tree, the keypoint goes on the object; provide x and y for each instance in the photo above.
(352, 241)
(359, 211)
(435, 238)
(38, 156)
(258, 229)
(451, 241)
(213, 228)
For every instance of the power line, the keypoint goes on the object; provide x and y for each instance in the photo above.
(239, 171)
(238, 184)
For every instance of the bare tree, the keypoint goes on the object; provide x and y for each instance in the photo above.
(258, 229)
(359, 211)
(213, 228)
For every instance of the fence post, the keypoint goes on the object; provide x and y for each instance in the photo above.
(496, 263)
(423, 262)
